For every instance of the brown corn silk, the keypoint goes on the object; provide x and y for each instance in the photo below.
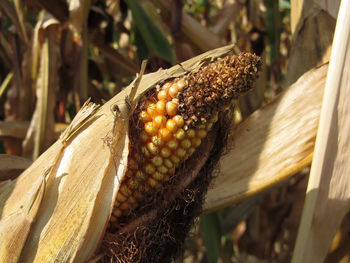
(177, 133)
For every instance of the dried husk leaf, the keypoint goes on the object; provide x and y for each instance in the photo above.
(274, 143)
(81, 179)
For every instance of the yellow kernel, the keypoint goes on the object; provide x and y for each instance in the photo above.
(124, 206)
(201, 133)
(171, 108)
(151, 109)
(157, 141)
(165, 134)
(196, 142)
(133, 184)
(166, 85)
(157, 160)
(191, 133)
(160, 107)
(129, 173)
(163, 95)
(175, 159)
(158, 176)
(159, 121)
(117, 212)
(171, 125)
(181, 84)
(140, 176)
(162, 169)
(202, 126)
(165, 152)
(120, 197)
(180, 134)
(150, 128)
(181, 152)
(125, 190)
(168, 163)
(186, 143)
(132, 163)
(173, 91)
(173, 144)
(145, 151)
(152, 148)
(153, 183)
(144, 117)
(144, 136)
(179, 121)
(132, 200)
(149, 168)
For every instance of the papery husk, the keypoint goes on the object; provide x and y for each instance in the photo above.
(61, 204)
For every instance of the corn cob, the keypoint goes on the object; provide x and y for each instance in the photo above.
(175, 119)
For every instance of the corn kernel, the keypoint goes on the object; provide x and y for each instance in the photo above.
(173, 91)
(167, 85)
(165, 152)
(191, 151)
(191, 133)
(160, 107)
(158, 176)
(171, 108)
(152, 148)
(180, 134)
(144, 136)
(140, 176)
(196, 142)
(157, 160)
(159, 121)
(149, 168)
(171, 125)
(144, 117)
(179, 121)
(186, 143)
(145, 151)
(157, 141)
(150, 128)
(153, 183)
(151, 109)
(133, 184)
(165, 134)
(162, 169)
(117, 212)
(168, 163)
(201, 133)
(175, 159)
(173, 144)
(163, 95)
(125, 190)
(181, 84)
(120, 197)
(181, 152)
(124, 206)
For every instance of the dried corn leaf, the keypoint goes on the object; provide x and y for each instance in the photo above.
(82, 177)
(272, 144)
(328, 193)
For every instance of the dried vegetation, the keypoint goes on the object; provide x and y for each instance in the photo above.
(54, 55)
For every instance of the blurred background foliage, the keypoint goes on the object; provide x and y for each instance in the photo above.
(55, 54)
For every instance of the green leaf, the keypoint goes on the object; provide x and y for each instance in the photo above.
(151, 35)
(211, 232)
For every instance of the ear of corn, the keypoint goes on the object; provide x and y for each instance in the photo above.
(175, 119)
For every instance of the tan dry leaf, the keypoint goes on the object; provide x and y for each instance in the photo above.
(274, 143)
(328, 192)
